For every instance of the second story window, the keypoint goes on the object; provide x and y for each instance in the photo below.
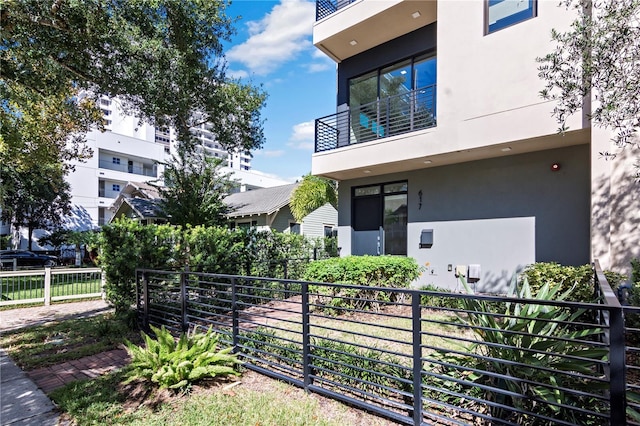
(115, 187)
(396, 99)
(500, 14)
(115, 160)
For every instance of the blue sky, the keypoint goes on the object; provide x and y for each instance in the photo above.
(273, 48)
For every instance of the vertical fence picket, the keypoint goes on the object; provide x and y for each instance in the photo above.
(235, 328)
(145, 300)
(306, 341)
(617, 367)
(417, 357)
(183, 301)
(47, 286)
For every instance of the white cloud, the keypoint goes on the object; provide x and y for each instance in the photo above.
(321, 62)
(237, 73)
(302, 136)
(279, 37)
(318, 67)
(271, 153)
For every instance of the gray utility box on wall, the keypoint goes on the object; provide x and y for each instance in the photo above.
(426, 238)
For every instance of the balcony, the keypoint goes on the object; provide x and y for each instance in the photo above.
(345, 28)
(395, 115)
(325, 8)
(145, 170)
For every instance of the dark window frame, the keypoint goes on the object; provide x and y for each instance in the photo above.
(511, 20)
(419, 57)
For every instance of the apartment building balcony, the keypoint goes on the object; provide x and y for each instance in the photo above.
(136, 169)
(345, 28)
(391, 116)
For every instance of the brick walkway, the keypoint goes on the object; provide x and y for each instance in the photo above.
(53, 377)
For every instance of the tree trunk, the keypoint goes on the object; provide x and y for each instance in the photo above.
(30, 236)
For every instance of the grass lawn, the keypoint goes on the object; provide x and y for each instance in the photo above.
(51, 344)
(255, 400)
(32, 287)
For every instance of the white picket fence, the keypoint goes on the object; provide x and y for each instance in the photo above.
(50, 285)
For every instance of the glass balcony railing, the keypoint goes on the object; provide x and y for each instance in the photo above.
(146, 170)
(394, 115)
(325, 8)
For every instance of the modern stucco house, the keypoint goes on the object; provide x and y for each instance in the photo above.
(445, 152)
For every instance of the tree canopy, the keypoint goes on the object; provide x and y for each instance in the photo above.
(194, 189)
(598, 55)
(163, 59)
(35, 198)
(312, 193)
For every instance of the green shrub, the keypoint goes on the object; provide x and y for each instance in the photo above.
(368, 370)
(360, 368)
(126, 245)
(576, 280)
(176, 365)
(370, 271)
(429, 300)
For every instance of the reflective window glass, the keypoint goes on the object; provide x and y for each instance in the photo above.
(503, 13)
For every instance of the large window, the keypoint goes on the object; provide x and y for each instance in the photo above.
(500, 14)
(392, 100)
(383, 206)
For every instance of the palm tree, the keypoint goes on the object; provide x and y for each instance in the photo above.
(313, 193)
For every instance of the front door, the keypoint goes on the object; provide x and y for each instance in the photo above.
(379, 219)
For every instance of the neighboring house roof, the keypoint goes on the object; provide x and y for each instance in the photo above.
(259, 201)
(143, 208)
(141, 190)
(135, 190)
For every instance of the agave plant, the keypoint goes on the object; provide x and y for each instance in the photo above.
(516, 349)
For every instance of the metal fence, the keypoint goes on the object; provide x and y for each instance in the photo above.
(390, 116)
(416, 357)
(49, 285)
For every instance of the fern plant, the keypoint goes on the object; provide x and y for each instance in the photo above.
(177, 365)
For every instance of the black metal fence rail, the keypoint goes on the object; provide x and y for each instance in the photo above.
(389, 116)
(397, 353)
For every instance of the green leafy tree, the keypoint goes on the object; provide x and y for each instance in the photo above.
(37, 130)
(312, 193)
(163, 59)
(35, 198)
(598, 54)
(61, 237)
(195, 187)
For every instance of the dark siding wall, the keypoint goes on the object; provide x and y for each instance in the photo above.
(422, 40)
(511, 186)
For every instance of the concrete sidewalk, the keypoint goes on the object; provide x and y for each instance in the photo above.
(22, 401)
